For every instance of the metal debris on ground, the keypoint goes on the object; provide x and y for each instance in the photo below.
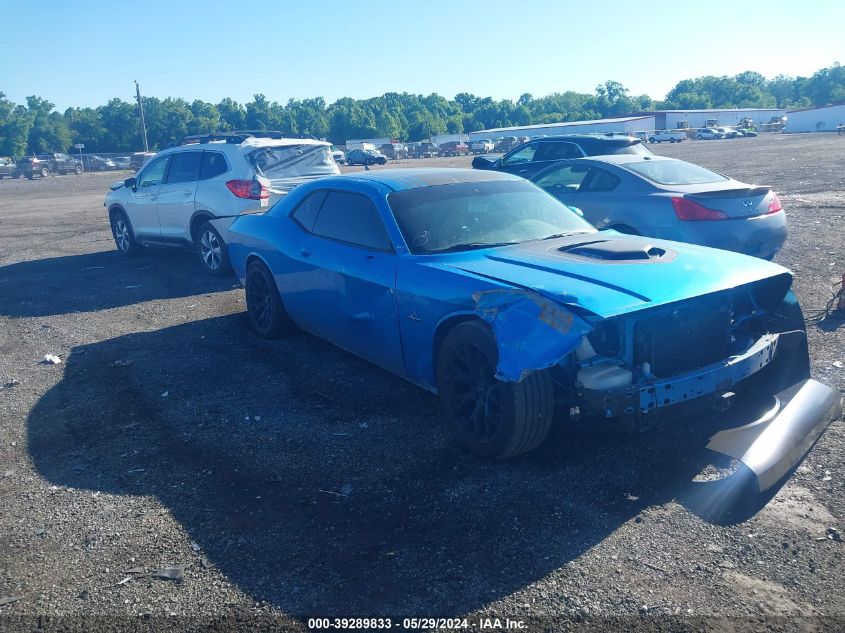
(169, 573)
(50, 359)
(12, 383)
(122, 363)
(4, 600)
(195, 547)
(834, 535)
(165, 394)
(838, 364)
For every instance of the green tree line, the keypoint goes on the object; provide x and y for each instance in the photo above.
(114, 127)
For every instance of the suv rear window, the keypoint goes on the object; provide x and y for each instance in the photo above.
(213, 164)
(285, 161)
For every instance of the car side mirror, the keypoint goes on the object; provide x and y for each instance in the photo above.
(130, 183)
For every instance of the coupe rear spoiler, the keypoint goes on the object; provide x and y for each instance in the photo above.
(740, 192)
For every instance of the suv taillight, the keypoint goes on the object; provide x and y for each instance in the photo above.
(249, 189)
(688, 210)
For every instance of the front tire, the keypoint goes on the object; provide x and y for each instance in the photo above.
(124, 236)
(491, 418)
(264, 306)
(77, 170)
(212, 250)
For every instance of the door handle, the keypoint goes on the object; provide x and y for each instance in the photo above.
(306, 251)
(522, 171)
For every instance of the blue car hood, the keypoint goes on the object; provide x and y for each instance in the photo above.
(609, 274)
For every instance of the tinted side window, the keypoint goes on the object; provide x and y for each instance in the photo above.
(185, 167)
(557, 151)
(522, 155)
(600, 180)
(153, 173)
(306, 213)
(213, 164)
(352, 218)
(568, 177)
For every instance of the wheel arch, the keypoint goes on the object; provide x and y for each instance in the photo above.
(196, 220)
(446, 325)
(114, 208)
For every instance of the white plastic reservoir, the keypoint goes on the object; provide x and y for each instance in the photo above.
(604, 376)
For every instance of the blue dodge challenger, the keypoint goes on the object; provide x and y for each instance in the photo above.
(486, 290)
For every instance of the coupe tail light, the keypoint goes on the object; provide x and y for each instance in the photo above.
(249, 189)
(775, 205)
(690, 211)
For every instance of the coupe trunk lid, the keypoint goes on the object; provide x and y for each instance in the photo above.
(736, 202)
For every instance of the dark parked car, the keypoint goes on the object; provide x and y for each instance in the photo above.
(45, 164)
(365, 157)
(7, 167)
(92, 162)
(529, 158)
(507, 143)
(454, 148)
(139, 159)
(394, 151)
(428, 150)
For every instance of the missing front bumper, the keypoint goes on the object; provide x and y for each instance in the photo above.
(774, 443)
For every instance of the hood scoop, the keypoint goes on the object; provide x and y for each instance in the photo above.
(633, 249)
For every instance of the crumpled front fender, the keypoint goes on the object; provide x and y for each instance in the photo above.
(531, 331)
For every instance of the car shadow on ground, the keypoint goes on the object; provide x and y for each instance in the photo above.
(97, 281)
(324, 485)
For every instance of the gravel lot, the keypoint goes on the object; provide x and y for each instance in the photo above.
(292, 480)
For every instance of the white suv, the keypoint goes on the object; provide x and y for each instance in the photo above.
(190, 194)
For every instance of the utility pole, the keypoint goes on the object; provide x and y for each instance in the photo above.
(141, 110)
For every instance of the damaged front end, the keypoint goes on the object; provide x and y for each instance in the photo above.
(744, 346)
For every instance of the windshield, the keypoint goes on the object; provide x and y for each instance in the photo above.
(674, 172)
(463, 216)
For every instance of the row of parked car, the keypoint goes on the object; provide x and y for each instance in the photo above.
(58, 163)
(502, 299)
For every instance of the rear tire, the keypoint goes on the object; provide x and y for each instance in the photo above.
(491, 418)
(44, 172)
(267, 314)
(77, 170)
(212, 251)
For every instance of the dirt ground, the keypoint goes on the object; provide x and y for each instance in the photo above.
(288, 480)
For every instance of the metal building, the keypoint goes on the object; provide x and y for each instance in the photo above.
(629, 125)
(823, 119)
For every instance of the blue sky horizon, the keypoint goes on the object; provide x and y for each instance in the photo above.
(333, 49)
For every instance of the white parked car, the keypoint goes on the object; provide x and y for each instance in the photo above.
(339, 156)
(708, 134)
(190, 194)
(482, 146)
(672, 136)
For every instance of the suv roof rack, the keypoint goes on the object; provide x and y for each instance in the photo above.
(237, 137)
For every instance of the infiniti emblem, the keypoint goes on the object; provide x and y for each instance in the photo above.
(747, 203)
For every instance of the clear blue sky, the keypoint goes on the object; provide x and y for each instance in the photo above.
(86, 52)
